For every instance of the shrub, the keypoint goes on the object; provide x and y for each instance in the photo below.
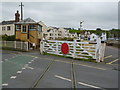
(8, 38)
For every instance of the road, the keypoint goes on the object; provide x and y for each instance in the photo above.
(32, 70)
(112, 55)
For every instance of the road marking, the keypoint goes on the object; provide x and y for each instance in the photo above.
(23, 68)
(107, 56)
(63, 61)
(32, 60)
(30, 68)
(32, 56)
(62, 78)
(81, 65)
(19, 71)
(36, 57)
(113, 61)
(77, 64)
(26, 66)
(6, 59)
(13, 77)
(29, 62)
(81, 83)
(5, 84)
(90, 66)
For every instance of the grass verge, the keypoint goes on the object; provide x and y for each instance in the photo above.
(89, 59)
(13, 49)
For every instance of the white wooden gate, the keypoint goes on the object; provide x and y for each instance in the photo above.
(82, 50)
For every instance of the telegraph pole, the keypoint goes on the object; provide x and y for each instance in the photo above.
(21, 10)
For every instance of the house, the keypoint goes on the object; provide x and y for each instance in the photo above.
(54, 33)
(28, 30)
(44, 28)
(8, 27)
(103, 37)
(73, 35)
(93, 37)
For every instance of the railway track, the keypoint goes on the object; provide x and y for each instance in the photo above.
(41, 76)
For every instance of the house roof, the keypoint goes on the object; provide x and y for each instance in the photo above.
(26, 21)
(7, 22)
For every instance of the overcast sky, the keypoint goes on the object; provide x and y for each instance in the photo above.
(67, 14)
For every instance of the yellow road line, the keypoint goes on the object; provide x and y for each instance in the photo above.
(30, 55)
(73, 63)
(107, 56)
(89, 66)
(113, 61)
(81, 65)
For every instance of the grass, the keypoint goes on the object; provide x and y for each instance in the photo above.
(89, 58)
(56, 55)
(111, 43)
(12, 49)
(114, 45)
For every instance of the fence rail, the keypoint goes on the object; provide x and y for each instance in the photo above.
(15, 45)
(83, 50)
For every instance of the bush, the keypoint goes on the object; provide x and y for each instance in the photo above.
(8, 38)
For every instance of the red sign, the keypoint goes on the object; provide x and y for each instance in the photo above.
(64, 48)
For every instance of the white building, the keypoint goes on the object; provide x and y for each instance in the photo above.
(73, 35)
(7, 27)
(103, 37)
(94, 37)
(53, 33)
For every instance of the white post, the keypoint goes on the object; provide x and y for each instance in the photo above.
(56, 47)
(21, 45)
(15, 44)
(41, 47)
(5, 43)
(74, 49)
(102, 51)
(27, 46)
(97, 53)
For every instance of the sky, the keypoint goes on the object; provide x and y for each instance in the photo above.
(102, 15)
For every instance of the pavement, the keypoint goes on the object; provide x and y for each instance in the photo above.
(32, 70)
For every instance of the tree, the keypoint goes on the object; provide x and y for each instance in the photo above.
(98, 29)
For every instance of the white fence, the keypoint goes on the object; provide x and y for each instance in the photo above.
(15, 45)
(83, 50)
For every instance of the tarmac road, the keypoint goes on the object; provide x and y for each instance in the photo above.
(112, 55)
(47, 71)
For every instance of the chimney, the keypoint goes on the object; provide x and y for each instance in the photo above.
(17, 16)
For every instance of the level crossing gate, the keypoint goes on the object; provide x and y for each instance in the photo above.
(75, 49)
